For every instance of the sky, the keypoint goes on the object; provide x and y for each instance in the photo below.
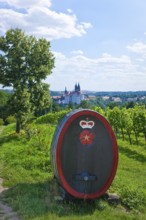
(100, 44)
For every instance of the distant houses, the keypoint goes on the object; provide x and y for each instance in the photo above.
(77, 95)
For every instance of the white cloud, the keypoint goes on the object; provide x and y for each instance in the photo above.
(77, 52)
(26, 3)
(69, 10)
(103, 73)
(138, 47)
(38, 19)
(7, 21)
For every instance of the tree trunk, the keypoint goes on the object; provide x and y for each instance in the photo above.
(129, 138)
(122, 134)
(136, 136)
(18, 126)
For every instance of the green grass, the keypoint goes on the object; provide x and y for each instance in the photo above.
(26, 169)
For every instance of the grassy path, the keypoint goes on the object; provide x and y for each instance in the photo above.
(6, 212)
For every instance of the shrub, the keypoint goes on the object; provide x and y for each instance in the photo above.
(133, 198)
(51, 118)
(1, 121)
(10, 119)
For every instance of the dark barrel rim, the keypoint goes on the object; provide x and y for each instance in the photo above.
(69, 189)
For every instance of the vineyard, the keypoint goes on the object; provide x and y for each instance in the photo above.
(126, 122)
(26, 169)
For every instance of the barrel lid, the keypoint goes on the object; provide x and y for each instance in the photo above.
(86, 154)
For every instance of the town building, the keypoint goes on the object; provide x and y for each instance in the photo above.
(75, 96)
(67, 97)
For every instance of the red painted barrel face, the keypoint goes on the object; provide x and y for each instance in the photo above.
(86, 154)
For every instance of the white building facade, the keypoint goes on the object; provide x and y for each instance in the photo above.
(74, 97)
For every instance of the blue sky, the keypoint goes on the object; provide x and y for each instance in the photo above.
(99, 43)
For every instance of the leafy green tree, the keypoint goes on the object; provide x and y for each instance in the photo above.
(130, 104)
(55, 107)
(10, 119)
(139, 122)
(24, 62)
(4, 97)
(40, 98)
(85, 104)
(1, 121)
(21, 107)
(127, 123)
(99, 110)
(114, 118)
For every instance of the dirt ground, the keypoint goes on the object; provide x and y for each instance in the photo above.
(6, 212)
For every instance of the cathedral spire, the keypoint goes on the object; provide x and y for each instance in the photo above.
(79, 89)
(65, 91)
(76, 87)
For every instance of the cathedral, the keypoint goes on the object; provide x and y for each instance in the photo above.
(74, 97)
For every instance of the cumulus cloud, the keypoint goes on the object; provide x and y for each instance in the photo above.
(26, 3)
(106, 72)
(77, 52)
(37, 18)
(69, 10)
(138, 47)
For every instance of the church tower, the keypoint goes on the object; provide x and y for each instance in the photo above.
(76, 87)
(65, 91)
(79, 89)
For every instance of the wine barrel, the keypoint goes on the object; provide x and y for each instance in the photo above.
(84, 154)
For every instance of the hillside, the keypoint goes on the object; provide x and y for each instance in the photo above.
(26, 169)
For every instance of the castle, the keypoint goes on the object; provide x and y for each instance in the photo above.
(73, 97)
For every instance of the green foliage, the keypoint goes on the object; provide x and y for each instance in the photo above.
(27, 153)
(3, 98)
(132, 198)
(128, 121)
(10, 119)
(114, 118)
(85, 104)
(4, 108)
(138, 115)
(51, 118)
(99, 110)
(1, 121)
(21, 106)
(24, 62)
(40, 98)
(26, 167)
(25, 163)
(55, 107)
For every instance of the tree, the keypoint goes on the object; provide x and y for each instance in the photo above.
(24, 62)
(99, 110)
(128, 123)
(4, 97)
(40, 98)
(85, 104)
(20, 105)
(114, 118)
(139, 121)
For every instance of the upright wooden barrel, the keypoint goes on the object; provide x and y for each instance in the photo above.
(84, 154)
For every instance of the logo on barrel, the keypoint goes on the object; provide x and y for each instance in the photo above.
(87, 124)
(86, 137)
